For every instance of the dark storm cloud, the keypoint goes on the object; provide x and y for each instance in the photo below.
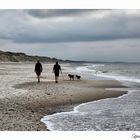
(87, 25)
(84, 28)
(54, 13)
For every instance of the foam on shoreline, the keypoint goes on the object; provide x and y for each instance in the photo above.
(80, 112)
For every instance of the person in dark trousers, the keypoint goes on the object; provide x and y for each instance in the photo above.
(56, 70)
(38, 70)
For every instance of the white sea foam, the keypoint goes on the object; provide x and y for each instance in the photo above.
(85, 69)
(107, 114)
(119, 77)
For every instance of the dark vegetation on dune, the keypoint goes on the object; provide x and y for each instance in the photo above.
(22, 57)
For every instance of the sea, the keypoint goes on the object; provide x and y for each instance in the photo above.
(110, 114)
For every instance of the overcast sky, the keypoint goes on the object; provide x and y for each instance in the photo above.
(92, 35)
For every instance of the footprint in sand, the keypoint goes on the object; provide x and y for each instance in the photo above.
(48, 93)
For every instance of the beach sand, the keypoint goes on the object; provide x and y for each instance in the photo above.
(24, 104)
(24, 112)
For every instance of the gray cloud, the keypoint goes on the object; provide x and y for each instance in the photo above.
(54, 13)
(114, 25)
(87, 28)
(122, 50)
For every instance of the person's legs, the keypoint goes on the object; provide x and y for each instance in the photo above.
(38, 77)
(56, 76)
(56, 79)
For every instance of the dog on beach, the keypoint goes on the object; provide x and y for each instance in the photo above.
(78, 77)
(71, 76)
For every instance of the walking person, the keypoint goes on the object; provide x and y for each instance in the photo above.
(38, 70)
(56, 70)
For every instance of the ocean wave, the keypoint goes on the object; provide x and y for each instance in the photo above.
(84, 69)
(120, 77)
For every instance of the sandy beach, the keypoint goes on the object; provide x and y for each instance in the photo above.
(23, 101)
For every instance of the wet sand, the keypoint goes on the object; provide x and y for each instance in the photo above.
(25, 111)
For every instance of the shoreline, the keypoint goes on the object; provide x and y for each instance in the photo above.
(62, 97)
(75, 107)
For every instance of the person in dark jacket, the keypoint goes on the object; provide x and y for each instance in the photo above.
(56, 70)
(38, 70)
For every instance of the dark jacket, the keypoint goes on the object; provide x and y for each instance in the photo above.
(56, 68)
(38, 67)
